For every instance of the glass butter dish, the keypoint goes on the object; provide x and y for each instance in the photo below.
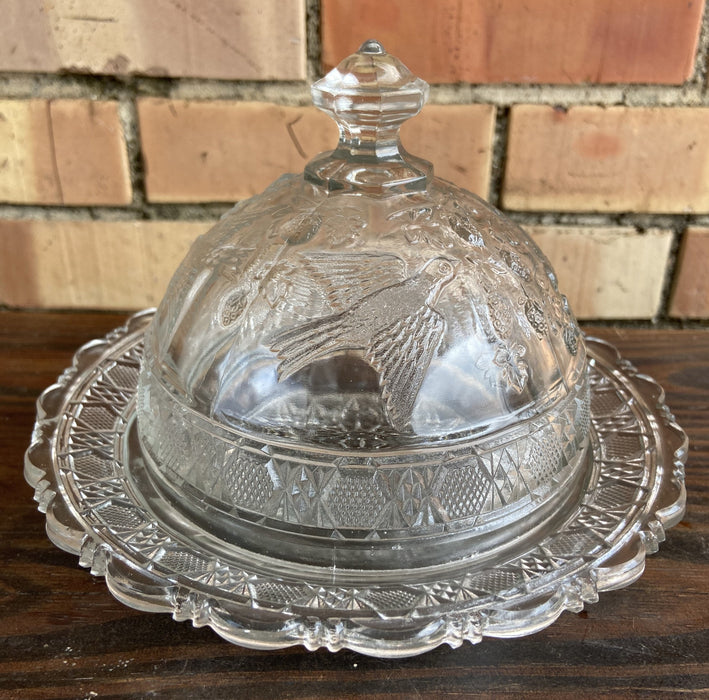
(362, 416)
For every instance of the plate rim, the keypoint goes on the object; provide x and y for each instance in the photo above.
(386, 633)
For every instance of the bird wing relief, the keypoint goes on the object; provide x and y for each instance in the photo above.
(401, 354)
(347, 279)
(399, 345)
(299, 346)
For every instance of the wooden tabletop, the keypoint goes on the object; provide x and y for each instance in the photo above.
(64, 636)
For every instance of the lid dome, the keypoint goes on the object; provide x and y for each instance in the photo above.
(365, 366)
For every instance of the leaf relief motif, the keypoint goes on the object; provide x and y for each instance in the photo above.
(507, 367)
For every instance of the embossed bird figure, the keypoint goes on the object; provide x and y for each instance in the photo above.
(394, 325)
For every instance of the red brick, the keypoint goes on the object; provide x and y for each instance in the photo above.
(62, 152)
(457, 139)
(226, 151)
(607, 273)
(608, 159)
(523, 41)
(690, 295)
(233, 39)
(91, 264)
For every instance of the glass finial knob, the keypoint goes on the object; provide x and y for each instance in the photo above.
(370, 95)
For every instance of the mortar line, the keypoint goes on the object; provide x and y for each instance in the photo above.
(670, 274)
(641, 222)
(79, 86)
(313, 40)
(701, 73)
(499, 155)
(128, 116)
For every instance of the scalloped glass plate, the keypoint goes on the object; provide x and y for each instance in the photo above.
(88, 472)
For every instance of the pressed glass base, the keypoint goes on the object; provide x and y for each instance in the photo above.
(390, 507)
(90, 478)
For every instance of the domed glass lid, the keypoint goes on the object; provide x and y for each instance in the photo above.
(366, 353)
(365, 302)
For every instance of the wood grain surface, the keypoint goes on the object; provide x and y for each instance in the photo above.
(62, 635)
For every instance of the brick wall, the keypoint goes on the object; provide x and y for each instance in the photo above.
(127, 127)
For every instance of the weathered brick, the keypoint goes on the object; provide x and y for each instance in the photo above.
(608, 159)
(607, 273)
(225, 151)
(62, 152)
(227, 39)
(690, 295)
(91, 264)
(523, 41)
(457, 139)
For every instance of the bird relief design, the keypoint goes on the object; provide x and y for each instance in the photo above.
(381, 310)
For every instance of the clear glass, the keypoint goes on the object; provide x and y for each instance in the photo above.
(365, 366)
(362, 417)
